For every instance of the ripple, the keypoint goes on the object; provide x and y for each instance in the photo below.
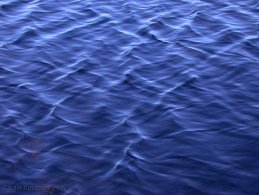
(130, 97)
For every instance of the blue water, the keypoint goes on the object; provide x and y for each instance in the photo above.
(130, 96)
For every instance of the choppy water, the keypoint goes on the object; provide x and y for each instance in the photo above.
(129, 96)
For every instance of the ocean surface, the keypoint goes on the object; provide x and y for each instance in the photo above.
(129, 97)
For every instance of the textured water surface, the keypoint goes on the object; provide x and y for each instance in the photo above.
(130, 96)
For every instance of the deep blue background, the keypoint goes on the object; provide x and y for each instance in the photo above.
(130, 96)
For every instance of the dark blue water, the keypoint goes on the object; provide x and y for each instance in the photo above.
(130, 96)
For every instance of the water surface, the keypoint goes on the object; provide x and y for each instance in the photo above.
(130, 96)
